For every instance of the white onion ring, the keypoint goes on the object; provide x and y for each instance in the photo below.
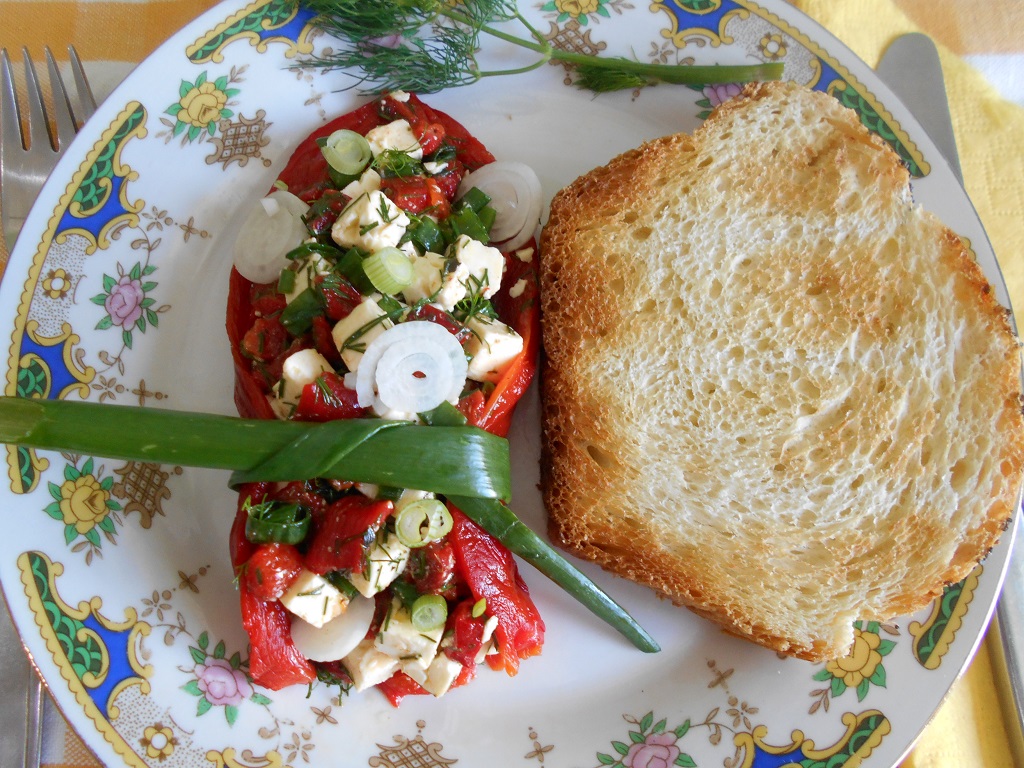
(273, 228)
(339, 636)
(515, 194)
(392, 362)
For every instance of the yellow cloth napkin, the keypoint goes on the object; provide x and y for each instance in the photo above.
(969, 729)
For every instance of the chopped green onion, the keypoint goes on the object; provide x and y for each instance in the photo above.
(347, 152)
(305, 250)
(286, 282)
(298, 316)
(340, 582)
(466, 222)
(475, 198)
(405, 592)
(389, 269)
(427, 235)
(422, 522)
(479, 608)
(487, 216)
(429, 612)
(274, 521)
(351, 266)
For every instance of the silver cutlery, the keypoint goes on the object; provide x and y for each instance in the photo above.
(911, 68)
(32, 139)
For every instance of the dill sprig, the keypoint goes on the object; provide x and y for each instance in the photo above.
(426, 46)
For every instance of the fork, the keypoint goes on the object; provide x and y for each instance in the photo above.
(26, 159)
(27, 156)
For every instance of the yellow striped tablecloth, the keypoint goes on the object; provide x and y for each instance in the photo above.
(983, 60)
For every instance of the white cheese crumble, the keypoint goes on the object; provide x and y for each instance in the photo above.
(492, 346)
(385, 562)
(370, 222)
(396, 136)
(368, 182)
(359, 321)
(313, 599)
(517, 290)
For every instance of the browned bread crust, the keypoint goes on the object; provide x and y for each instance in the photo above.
(775, 390)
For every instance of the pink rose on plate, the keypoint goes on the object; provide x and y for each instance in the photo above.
(124, 302)
(222, 684)
(722, 92)
(658, 750)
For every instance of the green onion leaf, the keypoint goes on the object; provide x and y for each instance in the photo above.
(502, 523)
(465, 461)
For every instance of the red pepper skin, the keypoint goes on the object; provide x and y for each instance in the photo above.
(341, 538)
(274, 661)
(523, 314)
(490, 572)
(337, 402)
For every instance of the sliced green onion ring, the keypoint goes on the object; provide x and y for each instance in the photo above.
(347, 152)
(272, 521)
(389, 269)
(429, 612)
(422, 522)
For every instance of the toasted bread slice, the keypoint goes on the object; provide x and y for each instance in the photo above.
(775, 390)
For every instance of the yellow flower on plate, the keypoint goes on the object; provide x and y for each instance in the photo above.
(56, 284)
(83, 502)
(202, 105)
(861, 662)
(577, 8)
(159, 741)
(773, 47)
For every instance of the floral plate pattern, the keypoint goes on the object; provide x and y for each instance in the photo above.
(117, 574)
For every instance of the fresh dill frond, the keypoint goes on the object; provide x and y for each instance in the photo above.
(425, 46)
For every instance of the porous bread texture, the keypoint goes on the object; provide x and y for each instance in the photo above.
(774, 390)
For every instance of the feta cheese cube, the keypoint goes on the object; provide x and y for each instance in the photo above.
(368, 666)
(413, 648)
(299, 369)
(385, 562)
(492, 346)
(427, 271)
(351, 334)
(479, 266)
(434, 168)
(370, 222)
(442, 672)
(313, 599)
(396, 136)
(368, 182)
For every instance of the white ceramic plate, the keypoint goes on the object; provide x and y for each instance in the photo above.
(116, 294)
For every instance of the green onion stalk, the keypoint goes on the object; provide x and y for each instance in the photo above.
(426, 46)
(468, 465)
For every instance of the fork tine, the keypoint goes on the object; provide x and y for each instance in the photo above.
(87, 103)
(62, 116)
(10, 113)
(38, 125)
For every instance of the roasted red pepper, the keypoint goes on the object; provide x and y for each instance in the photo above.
(348, 527)
(490, 571)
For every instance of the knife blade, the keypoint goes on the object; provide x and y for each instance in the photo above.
(911, 69)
